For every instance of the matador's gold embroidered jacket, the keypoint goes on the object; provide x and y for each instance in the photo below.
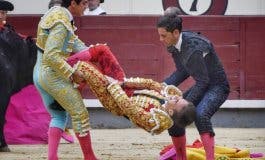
(56, 41)
(59, 46)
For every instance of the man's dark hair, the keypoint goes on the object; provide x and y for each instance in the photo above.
(170, 23)
(172, 10)
(185, 116)
(67, 3)
(54, 2)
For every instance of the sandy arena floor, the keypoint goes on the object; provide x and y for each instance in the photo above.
(136, 144)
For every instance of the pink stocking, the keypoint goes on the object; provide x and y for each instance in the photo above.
(180, 146)
(208, 143)
(54, 137)
(85, 143)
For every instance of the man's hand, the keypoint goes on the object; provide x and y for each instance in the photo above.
(78, 77)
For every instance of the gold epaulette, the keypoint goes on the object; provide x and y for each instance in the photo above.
(56, 15)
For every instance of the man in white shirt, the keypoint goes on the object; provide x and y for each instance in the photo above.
(94, 8)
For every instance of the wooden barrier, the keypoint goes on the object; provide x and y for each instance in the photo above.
(134, 40)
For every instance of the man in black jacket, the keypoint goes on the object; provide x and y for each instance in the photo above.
(194, 56)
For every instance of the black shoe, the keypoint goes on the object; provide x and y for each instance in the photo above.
(5, 149)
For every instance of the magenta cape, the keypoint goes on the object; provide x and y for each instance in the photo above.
(27, 120)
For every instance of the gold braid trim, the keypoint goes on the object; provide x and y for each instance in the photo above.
(52, 17)
(150, 93)
(143, 111)
(170, 91)
(142, 83)
(56, 15)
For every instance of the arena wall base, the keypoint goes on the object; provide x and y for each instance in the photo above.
(233, 113)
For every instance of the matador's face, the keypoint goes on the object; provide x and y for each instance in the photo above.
(78, 9)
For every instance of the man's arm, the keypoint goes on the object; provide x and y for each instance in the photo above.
(178, 76)
(53, 48)
(142, 83)
(199, 72)
(78, 45)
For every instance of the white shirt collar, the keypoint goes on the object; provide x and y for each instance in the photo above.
(178, 45)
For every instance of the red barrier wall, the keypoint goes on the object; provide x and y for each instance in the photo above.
(135, 42)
